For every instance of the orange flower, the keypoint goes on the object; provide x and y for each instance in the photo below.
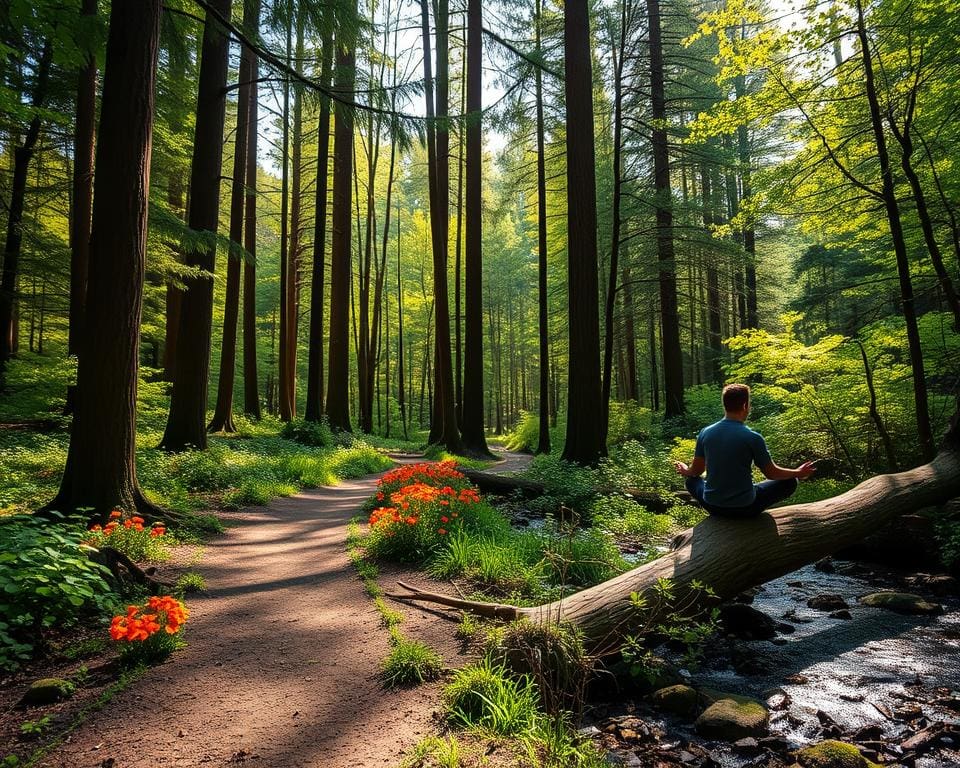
(444, 519)
(116, 514)
(442, 531)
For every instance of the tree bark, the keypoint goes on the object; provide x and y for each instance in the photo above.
(889, 194)
(669, 314)
(83, 151)
(338, 383)
(251, 382)
(474, 439)
(283, 368)
(730, 556)
(187, 422)
(584, 443)
(100, 471)
(18, 190)
(223, 411)
(314, 408)
(543, 438)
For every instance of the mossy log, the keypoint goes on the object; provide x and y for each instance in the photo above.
(505, 485)
(733, 555)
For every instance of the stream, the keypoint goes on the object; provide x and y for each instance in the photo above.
(851, 670)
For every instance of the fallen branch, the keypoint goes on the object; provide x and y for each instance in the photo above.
(122, 567)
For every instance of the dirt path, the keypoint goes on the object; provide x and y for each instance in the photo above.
(282, 658)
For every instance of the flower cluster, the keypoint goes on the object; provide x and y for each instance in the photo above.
(417, 506)
(130, 524)
(142, 621)
(149, 632)
(131, 536)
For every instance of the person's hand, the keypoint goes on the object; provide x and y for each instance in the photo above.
(805, 470)
(682, 469)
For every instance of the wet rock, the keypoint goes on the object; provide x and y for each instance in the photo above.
(868, 733)
(678, 699)
(827, 603)
(938, 584)
(842, 614)
(777, 700)
(908, 712)
(901, 602)
(854, 697)
(746, 746)
(791, 615)
(747, 622)
(47, 691)
(786, 629)
(732, 718)
(774, 743)
(748, 595)
(779, 641)
(796, 679)
(825, 565)
(833, 754)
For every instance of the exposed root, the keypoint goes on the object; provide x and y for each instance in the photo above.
(487, 610)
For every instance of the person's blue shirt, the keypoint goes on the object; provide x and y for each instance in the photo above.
(729, 447)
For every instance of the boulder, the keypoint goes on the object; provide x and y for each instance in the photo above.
(938, 584)
(676, 699)
(902, 602)
(827, 603)
(47, 691)
(841, 614)
(833, 754)
(733, 718)
(746, 622)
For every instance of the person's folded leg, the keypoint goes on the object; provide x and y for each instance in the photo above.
(771, 492)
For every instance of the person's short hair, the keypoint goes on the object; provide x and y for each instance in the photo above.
(735, 397)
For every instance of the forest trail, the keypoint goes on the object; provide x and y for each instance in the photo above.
(281, 667)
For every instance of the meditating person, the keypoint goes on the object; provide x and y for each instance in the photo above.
(727, 449)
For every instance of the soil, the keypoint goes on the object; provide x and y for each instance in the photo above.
(282, 662)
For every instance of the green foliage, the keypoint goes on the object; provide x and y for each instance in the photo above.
(190, 582)
(554, 743)
(486, 697)
(315, 433)
(628, 421)
(686, 620)
(36, 387)
(34, 729)
(566, 484)
(435, 752)
(491, 562)
(526, 435)
(46, 579)
(623, 517)
(410, 662)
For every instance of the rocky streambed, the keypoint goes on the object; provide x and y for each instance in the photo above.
(833, 666)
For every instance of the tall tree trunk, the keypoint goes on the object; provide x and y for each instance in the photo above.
(458, 264)
(443, 428)
(100, 473)
(474, 439)
(187, 422)
(713, 286)
(584, 443)
(749, 235)
(223, 411)
(669, 314)
(314, 409)
(401, 394)
(543, 437)
(615, 225)
(18, 190)
(296, 247)
(283, 367)
(251, 390)
(338, 383)
(83, 148)
(924, 431)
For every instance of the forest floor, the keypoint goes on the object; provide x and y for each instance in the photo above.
(283, 655)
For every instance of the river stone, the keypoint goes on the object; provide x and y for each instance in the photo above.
(901, 602)
(747, 622)
(732, 718)
(678, 699)
(47, 691)
(833, 754)
(827, 603)
(939, 584)
(841, 614)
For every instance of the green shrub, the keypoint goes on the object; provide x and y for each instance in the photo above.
(127, 535)
(46, 578)
(622, 516)
(526, 435)
(566, 483)
(257, 493)
(492, 562)
(628, 421)
(409, 663)
(484, 696)
(582, 558)
(315, 433)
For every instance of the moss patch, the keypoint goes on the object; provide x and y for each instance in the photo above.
(732, 718)
(678, 699)
(833, 754)
(901, 602)
(47, 691)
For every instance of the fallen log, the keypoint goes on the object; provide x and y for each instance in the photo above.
(730, 556)
(505, 485)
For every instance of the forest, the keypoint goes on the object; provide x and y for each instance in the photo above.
(349, 316)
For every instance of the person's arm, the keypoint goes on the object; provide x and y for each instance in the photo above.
(773, 471)
(692, 470)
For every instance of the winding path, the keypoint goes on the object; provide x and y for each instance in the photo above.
(282, 660)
